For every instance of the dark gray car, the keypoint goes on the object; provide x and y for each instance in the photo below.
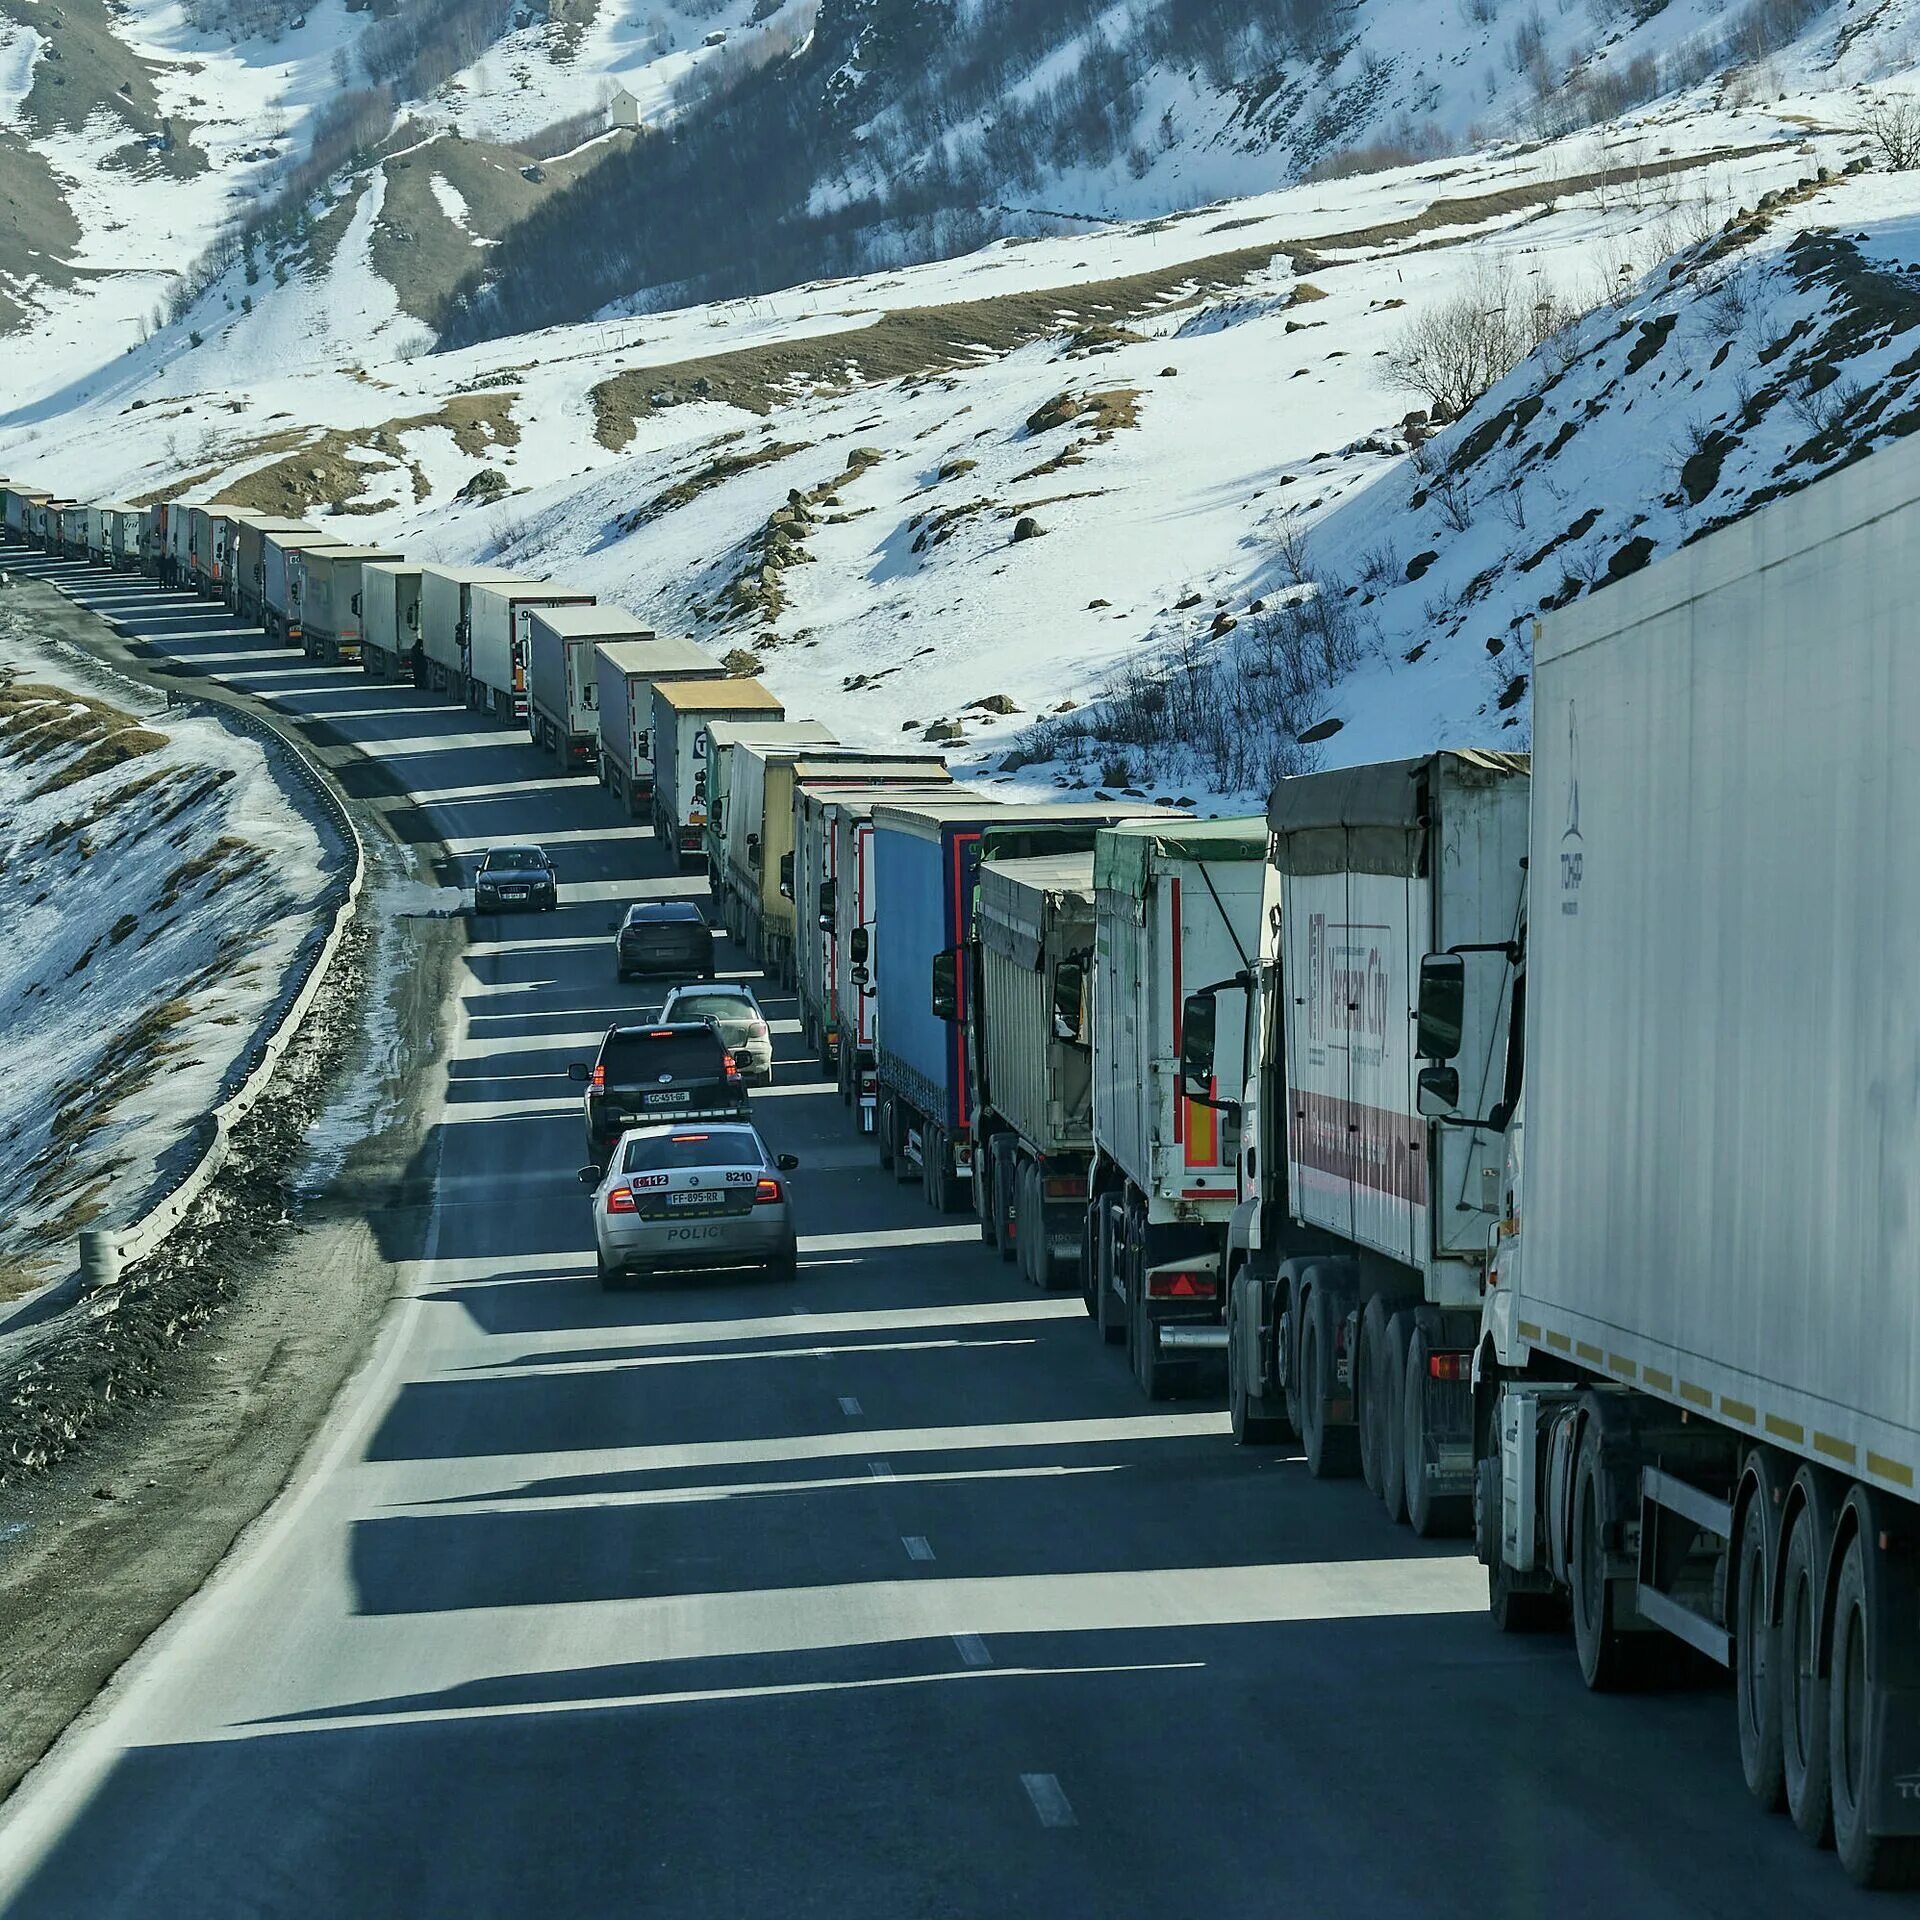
(512, 877)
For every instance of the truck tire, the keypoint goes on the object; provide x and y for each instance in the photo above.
(1393, 1379)
(1756, 1658)
(1511, 1608)
(1432, 1515)
(1253, 1425)
(904, 1170)
(883, 1133)
(1608, 1658)
(1369, 1391)
(986, 1187)
(1111, 1316)
(1152, 1374)
(1803, 1690)
(1090, 1259)
(1006, 1204)
(1333, 1452)
(1859, 1640)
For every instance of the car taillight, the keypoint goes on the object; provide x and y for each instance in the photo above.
(1178, 1284)
(620, 1200)
(768, 1191)
(599, 1079)
(726, 1061)
(1449, 1366)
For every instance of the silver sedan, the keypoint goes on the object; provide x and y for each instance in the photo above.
(691, 1197)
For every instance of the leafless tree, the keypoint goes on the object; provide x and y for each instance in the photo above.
(1452, 353)
(1891, 122)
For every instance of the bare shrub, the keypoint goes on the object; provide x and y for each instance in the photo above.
(1452, 353)
(1891, 122)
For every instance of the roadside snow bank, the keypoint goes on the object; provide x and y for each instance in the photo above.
(156, 885)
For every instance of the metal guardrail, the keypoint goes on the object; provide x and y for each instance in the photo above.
(106, 1252)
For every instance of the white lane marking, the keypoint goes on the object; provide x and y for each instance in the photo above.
(916, 1546)
(1049, 1800)
(972, 1649)
(890, 1236)
(787, 1090)
(850, 1406)
(601, 1499)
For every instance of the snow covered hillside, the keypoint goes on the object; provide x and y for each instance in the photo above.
(155, 885)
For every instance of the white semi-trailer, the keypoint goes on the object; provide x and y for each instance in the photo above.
(390, 618)
(1698, 1395)
(500, 641)
(1358, 1253)
(625, 659)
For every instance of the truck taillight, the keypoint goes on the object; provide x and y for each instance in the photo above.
(767, 1192)
(1065, 1186)
(1180, 1284)
(620, 1200)
(1449, 1366)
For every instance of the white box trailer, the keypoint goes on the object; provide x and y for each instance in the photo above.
(1700, 1387)
(280, 579)
(721, 738)
(500, 613)
(126, 533)
(1178, 906)
(446, 624)
(627, 658)
(332, 603)
(389, 618)
(21, 502)
(682, 711)
(249, 568)
(1358, 1253)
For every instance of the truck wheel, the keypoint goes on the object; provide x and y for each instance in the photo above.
(1090, 1260)
(1756, 1641)
(903, 1168)
(986, 1191)
(1111, 1316)
(883, 1134)
(1034, 1258)
(1432, 1515)
(1286, 1350)
(1152, 1374)
(1871, 1860)
(1607, 1656)
(1252, 1426)
(1393, 1377)
(1803, 1690)
(1333, 1452)
(1368, 1384)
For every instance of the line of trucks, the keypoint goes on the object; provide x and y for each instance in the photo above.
(1536, 1139)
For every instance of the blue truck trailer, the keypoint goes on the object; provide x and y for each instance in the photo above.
(926, 861)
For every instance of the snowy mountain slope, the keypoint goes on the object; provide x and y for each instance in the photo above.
(156, 887)
(1194, 413)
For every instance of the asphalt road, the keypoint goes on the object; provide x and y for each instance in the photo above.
(881, 1593)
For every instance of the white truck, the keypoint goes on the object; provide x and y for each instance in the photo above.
(682, 710)
(627, 659)
(1357, 1256)
(1697, 1394)
(446, 624)
(722, 737)
(331, 608)
(1178, 905)
(389, 618)
(499, 639)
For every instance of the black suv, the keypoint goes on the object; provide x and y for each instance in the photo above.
(515, 877)
(664, 936)
(643, 1076)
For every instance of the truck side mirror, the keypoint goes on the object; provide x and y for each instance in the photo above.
(1442, 1007)
(1197, 1017)
(946, 984)
(826, 906)
(1069, 1004)
(786, 876)
(858, 942)
(1437, 1092)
